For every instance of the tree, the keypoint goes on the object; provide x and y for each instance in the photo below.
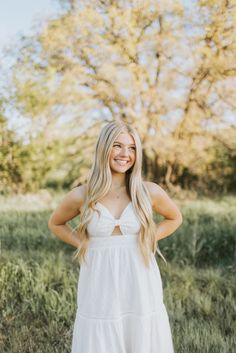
(166, 68)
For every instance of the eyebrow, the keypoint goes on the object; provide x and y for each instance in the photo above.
(132, 144)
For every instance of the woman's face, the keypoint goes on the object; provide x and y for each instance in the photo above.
(123, 153)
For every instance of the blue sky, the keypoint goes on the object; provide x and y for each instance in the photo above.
(18, 16)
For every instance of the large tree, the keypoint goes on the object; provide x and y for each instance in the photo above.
(165, 67)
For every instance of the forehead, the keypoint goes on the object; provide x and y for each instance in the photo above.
(125, 138)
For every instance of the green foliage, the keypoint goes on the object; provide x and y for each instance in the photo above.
(37, 302)
(23, 166)
(11, 158)
(199, 302)
(207, 236)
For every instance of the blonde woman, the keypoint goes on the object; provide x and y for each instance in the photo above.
(120, 305)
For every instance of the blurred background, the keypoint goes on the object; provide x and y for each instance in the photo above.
(67, 68)
(168, 67)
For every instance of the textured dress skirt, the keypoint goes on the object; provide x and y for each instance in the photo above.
(120, 305)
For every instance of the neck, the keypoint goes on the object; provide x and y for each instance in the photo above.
(118, 181)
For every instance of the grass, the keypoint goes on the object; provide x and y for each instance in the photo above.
(38, 279)
(207, 236)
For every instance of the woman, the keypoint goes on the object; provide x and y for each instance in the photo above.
(120, 305)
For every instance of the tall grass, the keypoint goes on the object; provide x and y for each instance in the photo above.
(38, 303)
(38, 280)
(207, 236)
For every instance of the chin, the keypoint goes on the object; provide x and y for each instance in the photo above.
(120, 170)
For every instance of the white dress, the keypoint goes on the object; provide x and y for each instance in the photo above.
(120, 305)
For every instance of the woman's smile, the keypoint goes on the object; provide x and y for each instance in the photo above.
(121, 161)
(123, 153)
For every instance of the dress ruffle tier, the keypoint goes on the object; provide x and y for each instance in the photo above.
(120, 305)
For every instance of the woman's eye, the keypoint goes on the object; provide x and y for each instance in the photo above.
(119, 146)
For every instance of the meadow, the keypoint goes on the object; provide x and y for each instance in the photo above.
(38, 278)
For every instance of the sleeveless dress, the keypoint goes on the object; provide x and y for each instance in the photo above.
(120, 305)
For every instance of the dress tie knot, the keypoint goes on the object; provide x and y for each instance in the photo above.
(117, 222)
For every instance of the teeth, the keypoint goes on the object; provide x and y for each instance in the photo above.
(120, 162)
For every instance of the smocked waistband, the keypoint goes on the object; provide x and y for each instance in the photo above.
(123, 240)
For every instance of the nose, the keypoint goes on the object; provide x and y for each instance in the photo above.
(124, 151)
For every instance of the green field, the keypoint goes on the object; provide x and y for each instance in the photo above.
(38, 278)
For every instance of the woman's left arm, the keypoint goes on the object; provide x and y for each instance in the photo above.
(162, 204)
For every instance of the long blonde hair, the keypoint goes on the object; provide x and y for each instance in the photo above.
(99, 183)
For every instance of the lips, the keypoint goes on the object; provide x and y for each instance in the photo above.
(121, 162)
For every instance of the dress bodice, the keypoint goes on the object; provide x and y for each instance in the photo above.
(103, 223)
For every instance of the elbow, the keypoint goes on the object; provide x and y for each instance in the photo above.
(50, 224)
(180, 219)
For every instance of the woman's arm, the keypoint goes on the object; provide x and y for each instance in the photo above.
(163, 205)
(67, 210)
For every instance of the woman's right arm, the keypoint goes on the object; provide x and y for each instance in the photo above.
(67, 210)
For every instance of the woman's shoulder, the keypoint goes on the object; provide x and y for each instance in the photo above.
(152, 187)
(161, 202)
(155, 190)
(70, 205)
(79, 191)
(77, 195)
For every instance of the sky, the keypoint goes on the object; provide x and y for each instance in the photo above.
(18, 16)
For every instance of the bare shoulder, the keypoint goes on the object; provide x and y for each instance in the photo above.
(69, 207)
(155, 190)
(161, 202)
(76, 196)
(78, 192)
